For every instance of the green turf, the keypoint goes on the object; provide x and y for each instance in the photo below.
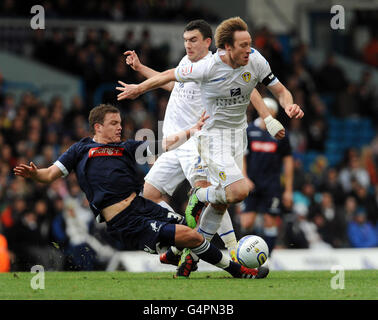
(201, 286)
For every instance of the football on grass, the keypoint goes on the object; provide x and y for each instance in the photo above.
(252, 251)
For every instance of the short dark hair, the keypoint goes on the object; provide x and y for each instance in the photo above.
(202, 26)
(97, 115)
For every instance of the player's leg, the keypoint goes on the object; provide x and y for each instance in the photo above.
(163, 178)
(272, 210)
(270, 230)
(225, 172)
(248, 212)
(189, 238)
(144, 225)
(247, 221)
(152, 193)
(223, 155)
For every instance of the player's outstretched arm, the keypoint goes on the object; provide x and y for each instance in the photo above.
(133, 91)
(274, 127)
(285, 99)
(133, 61)
(45, 175)
(177, 139)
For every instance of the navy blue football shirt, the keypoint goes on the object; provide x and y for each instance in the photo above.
(264, 157)
(106, 173)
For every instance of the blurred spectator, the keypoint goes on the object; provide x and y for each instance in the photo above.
(368, 162)
(366, 201)
(347, 104)
(367, 96)
(308, 228)
(73, 229)
(316, 134)
(353, 172)
(269, 46)
(370, 52)
(331, 78)
(297, 136)
(30, 247)
(331, 184)
(361, 233)
(331, 223)
(318, 170)
(350, 208)
(300, 175)
(4, 255)
(306, 195)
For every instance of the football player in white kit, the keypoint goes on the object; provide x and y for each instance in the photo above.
(183, 109)
(226, 82)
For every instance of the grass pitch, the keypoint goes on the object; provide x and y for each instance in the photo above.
(121, 285)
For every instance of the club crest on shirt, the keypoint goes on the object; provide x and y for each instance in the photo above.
(222, 175)
(155, 227)
(246, 76)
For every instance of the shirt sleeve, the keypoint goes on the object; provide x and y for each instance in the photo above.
(265, 74)
(191, 72)
(66, 162)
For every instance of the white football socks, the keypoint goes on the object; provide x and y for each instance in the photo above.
(227, 233)
(212, 194)
(166, 206)
(210, 222)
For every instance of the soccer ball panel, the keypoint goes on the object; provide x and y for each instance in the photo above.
(252, 251)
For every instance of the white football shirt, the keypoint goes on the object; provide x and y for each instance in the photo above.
(185, 106)
(226, 91)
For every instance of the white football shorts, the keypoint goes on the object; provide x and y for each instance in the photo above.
(173, 167)
(222, 153)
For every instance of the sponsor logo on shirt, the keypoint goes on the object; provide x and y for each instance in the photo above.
(235, 92)
(105, 151)
(263, 146)
(246, 76)
(224, 102)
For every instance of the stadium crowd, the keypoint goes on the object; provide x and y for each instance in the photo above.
(113, 10)
(334, 206)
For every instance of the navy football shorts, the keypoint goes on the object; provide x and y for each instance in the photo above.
(262, 202)
(144, 225)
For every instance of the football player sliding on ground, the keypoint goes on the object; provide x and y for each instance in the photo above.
(105, 168)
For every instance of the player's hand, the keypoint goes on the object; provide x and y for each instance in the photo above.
(294, 111)
(128, 91)
(132, 60)
(274, 127)
(280, 134)
(25, 171)
(200, 122)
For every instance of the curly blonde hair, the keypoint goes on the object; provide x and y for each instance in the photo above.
(224, 33)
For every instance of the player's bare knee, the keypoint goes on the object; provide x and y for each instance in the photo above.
(202, 183)
(151, 193)
(237, 195)
(194, 239)
(247, 220)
